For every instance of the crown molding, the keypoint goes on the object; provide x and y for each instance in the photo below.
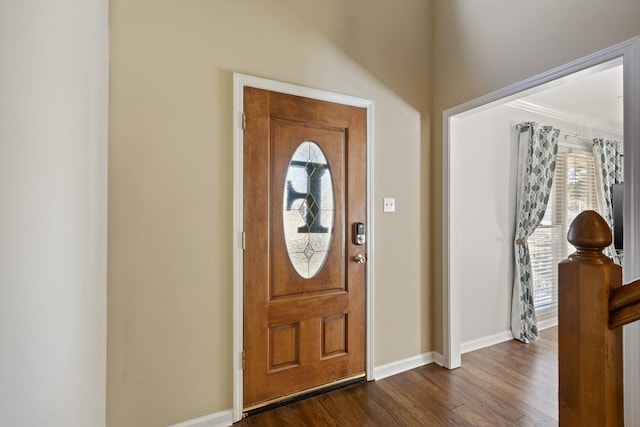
(567, 116)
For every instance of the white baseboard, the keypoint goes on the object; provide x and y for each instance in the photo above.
(500, 337)
(393, 368)
(483, 342)
(218, 419)
(438, 358)
(225, 418)
(548, 323)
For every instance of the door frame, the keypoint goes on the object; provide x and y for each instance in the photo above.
(240, 81)
(629, 51)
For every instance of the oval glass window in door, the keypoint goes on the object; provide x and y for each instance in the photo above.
(308, 209)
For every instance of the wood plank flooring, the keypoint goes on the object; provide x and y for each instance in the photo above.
(509, 384)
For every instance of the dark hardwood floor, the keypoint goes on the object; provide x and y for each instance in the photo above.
(509, 384)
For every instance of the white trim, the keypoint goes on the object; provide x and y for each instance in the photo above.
(629, 51)
(567, 116)
(500, 337)
(588, 65)
(451, 249)
(394, 368)
(630, 334)
(218, 419)
(548, 323)
(370, 254)
(484, 342)
(438, 359)
(238, 221)
(631, 270)
(239, 82)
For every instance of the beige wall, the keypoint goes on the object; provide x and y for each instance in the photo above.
(170, 179)
(482, 46)
(170, 159)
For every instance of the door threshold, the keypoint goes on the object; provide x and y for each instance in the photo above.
(301, 395)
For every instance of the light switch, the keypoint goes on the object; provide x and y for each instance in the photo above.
(389, 204)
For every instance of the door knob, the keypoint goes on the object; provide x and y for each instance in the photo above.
(360, 259)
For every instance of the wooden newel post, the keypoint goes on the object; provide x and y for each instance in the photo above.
(589, 353)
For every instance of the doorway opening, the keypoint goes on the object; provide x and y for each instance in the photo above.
(462, 149)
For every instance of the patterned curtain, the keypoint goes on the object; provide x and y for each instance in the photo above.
(538, 147)
(607, 161)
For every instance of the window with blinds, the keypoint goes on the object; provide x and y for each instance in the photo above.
(573, 191)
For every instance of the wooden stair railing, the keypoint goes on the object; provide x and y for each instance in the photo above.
(592, 305)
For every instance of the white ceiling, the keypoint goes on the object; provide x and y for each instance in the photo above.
(596, 95)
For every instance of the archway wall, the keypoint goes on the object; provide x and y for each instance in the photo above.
(480, 47)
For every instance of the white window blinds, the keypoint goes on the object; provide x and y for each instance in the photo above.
(573, 191)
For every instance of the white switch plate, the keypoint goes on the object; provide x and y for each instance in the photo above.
(389, 204)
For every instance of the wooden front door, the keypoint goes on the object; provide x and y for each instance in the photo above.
(304, 274)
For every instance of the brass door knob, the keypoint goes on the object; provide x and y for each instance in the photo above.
(360, 259)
